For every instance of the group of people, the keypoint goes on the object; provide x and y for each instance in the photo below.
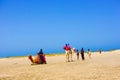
(70, 52)
(39, 59)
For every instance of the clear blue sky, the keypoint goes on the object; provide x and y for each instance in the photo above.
(28, 25)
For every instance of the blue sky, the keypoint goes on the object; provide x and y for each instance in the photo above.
(28, 25)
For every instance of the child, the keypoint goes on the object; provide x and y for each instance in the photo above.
(89, 53)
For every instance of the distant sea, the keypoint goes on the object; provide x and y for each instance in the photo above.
(15, 54)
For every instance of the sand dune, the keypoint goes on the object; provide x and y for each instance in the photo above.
(105, 66)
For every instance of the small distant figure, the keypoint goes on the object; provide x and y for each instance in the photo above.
(77, 54)
(74, 53)
(82, 54)
(100, 51)
(89, 53)
(68, 52)
(39, 59)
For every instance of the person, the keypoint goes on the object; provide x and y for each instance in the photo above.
(74, 53)
(77, 54)
(89, 53)
(67, 49)
(70, 52)
(42, 57)
(40, 52)
(82, 54)
(39, 59)
(100, 51)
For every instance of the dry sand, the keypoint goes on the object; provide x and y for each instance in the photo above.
(105, 66)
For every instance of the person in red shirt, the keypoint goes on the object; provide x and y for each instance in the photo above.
(68, 52)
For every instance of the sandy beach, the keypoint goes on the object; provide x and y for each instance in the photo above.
(105, 66)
